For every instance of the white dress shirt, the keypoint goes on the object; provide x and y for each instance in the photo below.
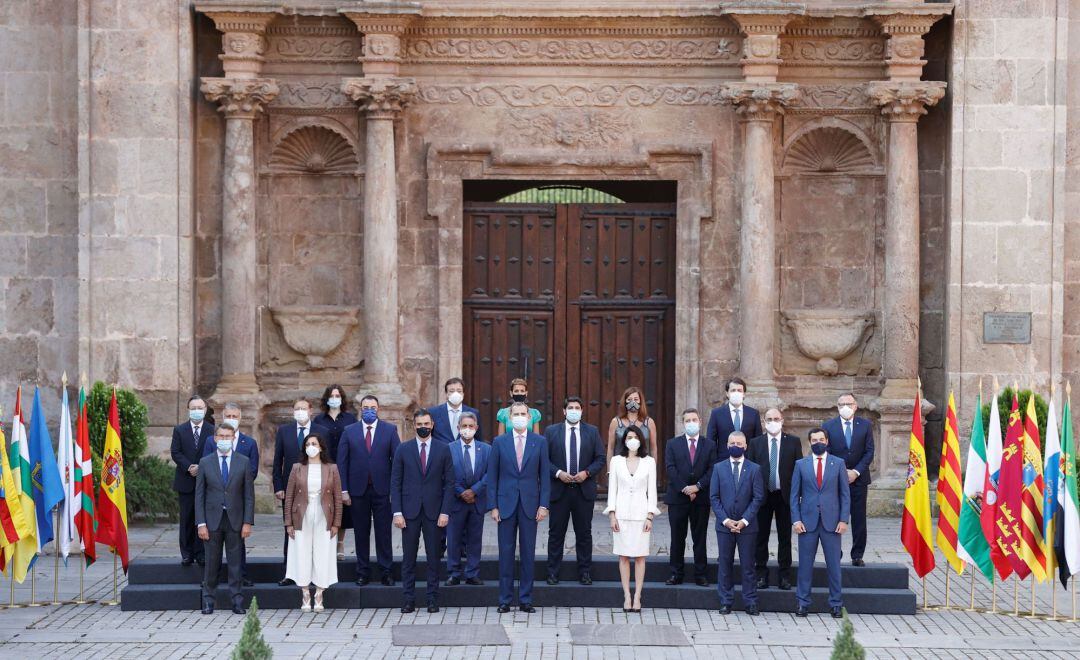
(732, 409)
(566, 446)
(450, 412)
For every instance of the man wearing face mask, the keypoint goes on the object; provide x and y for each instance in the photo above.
(733, 416)
(820, 508)
(246, 445)
(851, 438)
(518, 493)
(736, 491)
(689, 459)
(447, 415)
(288, 444)
(466, 528)
(190, 442)
(775, 452)
(576, 456)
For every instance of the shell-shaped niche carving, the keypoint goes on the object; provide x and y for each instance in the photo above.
(313, 150)
(828, 150)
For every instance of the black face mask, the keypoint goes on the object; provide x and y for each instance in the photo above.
(518, 398)
(819, 448)
(735, 451)
(423, 432)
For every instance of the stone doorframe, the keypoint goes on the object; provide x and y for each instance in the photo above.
(449, 163)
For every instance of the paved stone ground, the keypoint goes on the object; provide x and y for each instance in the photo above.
(81, 630)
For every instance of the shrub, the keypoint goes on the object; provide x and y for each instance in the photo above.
(845, 647)
(133, 420)
(1005, 405)
(149, 488)
(252, 646)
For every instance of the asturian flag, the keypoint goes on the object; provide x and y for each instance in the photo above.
(48, 490)
(65, 460)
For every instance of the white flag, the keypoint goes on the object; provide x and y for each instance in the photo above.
(65, 460)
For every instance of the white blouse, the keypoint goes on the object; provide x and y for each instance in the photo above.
(632, 496)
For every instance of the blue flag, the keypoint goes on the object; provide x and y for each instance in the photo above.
(48, 487)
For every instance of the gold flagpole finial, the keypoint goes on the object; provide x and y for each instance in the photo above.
(63, 380)
(83, 379)
(1068, 388)
(980, 387)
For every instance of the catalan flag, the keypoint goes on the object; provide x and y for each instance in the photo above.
(112, 498)
(1032, 541)
(1010, 492)
(15, 524)
(949, 490)
(915, 528)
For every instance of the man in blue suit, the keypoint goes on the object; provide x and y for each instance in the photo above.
(465, 534)
(736, 492)
(365, 455)
(576, 457)
(189, 440)
(288, 440)
(447, 415)
(733, 416)
(689, 459)
(820, 507)
(852, 439)
(246, 446)
(421, 493)
(518, 491)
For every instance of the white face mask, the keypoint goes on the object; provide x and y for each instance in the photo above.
(467, 433)
(224, 446)
(692, 428)
(197, 414)
(312, 451)
(633, 444)
(455, 398)
(231, 423)
(334, 402)
(520, 422)
(846, 412)
(774, 427)
(735, 398)
(301, 417)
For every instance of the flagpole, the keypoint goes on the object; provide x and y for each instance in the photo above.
(81, 600)
(1073, 598)
(923, 592)
(114, 601)
(1032, 595)
(971, 607)
(993, 596)
(33, 589)
(1016, 596)
(56, 559)
(947, 571)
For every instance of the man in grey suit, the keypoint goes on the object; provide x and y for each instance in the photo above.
(224, 514)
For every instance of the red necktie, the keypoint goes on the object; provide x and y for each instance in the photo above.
(367, 438)
(819, 475)
(693, 449)
(423, 457)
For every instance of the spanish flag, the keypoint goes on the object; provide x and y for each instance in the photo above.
(915, 528)
(112, 523)
(15, 525)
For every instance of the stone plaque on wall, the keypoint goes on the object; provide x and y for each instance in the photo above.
(1007, 327)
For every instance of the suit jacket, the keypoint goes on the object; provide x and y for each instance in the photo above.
(287, 452)
(790, 451)
(720, 426)
(440, 415)
(296, 495)
(590, 457)
(186, 451)
(682, 473)
(211, 492)
(358, 468)
(736, 503)
(414, 491)
(860, 454)
(506, 485)
(829, 505)
(478, 484)
(335, 427)
(246, 445)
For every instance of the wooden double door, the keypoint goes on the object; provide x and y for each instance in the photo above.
(578, 299)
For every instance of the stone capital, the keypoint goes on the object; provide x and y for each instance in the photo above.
(761, 30)
(905, 101)
(240, 98)
(905, 47)
(243, 42)
(380, 97)
(761, 101)
(383, 26)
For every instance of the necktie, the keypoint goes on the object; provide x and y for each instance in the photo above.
(693, 449)
(300, 437)
(819, 473)
(572, 461)
(367, 439)
(847, 433)
(774, 471)
(468, 464)
(738, 419)
(454, 422)
(198, 441)
(423, 457)
(225, 480)
(735, 471)
(520, 447)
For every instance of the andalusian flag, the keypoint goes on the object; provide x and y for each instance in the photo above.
(949, 490)
(112, 524)
(23, 554)
(1067, 543)
(1010, 492)
(84, 482)
(15, 525)
(974, 548)
(65, 460)
(915, 529)
(1032, 540)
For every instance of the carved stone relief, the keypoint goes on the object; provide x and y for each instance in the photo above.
(572, 95)
(828, 150)
(577, 129)
(569, 51)
(314, 150)
(317, 337)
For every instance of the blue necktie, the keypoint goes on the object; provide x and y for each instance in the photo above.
(468, 465)
(774, 457)
(573, 451)
(225, 481)
(847, 434)
(300, 438)
(738, 419)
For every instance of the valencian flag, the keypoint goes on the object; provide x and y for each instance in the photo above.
(1010, 492)
(23, 553)
(48, 488)
(85, 523)
(112, 500)
(949, 490)
(1031, 512)
(915, 528)
(1067, 537)
(973, 546)
(65, 460)
(992, 494)
(15, 524)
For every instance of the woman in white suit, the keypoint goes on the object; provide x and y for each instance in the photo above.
(631, 507)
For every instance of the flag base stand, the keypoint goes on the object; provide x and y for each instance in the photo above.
(115, 601)
(33, 590)
(81, 600)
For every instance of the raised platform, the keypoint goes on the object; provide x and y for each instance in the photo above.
(163, 584)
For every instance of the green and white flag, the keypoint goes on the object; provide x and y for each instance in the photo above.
(1067, 543)
(973, 547)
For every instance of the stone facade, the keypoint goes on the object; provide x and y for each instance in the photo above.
(251, 199)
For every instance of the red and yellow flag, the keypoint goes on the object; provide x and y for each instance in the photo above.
(950, 490)
(915, 528)
(1032, 544)
(112, 500)
(1010, 492)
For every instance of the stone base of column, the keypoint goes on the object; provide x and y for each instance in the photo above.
(891, 445)
(395, 405)
(899, 389)
(763, 394)
(243, 390)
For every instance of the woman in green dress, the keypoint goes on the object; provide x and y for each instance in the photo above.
(519, 393)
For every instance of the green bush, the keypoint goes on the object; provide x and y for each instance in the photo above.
(252, 646)
(133, 420)
(1005, 406)
(149, 488)
(845, 647)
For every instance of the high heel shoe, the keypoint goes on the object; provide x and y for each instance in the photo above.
(305, 600)
(626, 604)
(318, 600)
(638, 608)
(341, 549)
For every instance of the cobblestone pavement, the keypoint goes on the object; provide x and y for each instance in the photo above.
(81, 630)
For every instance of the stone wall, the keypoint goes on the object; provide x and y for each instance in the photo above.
(1069, 238)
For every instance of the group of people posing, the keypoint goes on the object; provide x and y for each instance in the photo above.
(334, 471)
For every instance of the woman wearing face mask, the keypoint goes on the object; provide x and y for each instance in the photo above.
(312, 519)
(335, 416)
(631, 507)
(519, 393)
(632, 412)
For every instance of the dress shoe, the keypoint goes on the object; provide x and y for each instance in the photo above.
(701, 581)
(408, 608)
(527, 608)
(453, 581)
(725, 609)
(207, 608)
(763, 583)
(802, 611)
(752, 610)
(362, 581)
(837, 613)
(673, 580)
(238, 609)
(387, 580)
(552, 580)
(503, 609)
(785, 584)
(858, 562)
(286, 582)
(474, 581)
(247, 583)
(432, 608)
(585, 579)
(187, 561)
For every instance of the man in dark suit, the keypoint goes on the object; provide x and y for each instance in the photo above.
(852, 439)
(775, 452)
(288, 441)
(188, 442)
(689, 459)
(446, 415)
(576, 457)
(421, 493)
(365, 456)
(246, 445)
(465, 533)
(519, 490)
(733, 416)
(820, 506)
(736, 491)
(224, 514)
